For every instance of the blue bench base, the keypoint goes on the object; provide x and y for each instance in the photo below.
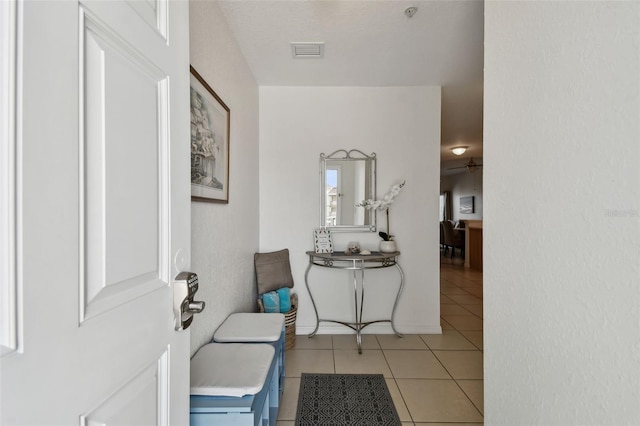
(260, 409)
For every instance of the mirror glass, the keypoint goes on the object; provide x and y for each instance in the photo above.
(346, 179)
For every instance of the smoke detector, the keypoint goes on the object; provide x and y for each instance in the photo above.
(307, 50)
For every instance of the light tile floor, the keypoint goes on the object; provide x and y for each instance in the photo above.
(433, 379)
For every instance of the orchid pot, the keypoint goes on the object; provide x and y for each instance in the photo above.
(387, 246)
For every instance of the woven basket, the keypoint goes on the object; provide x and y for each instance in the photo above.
(289, 321)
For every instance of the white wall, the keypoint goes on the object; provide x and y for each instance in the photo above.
(225, 236)
(463, 185)
(561, 213)
(402, 126)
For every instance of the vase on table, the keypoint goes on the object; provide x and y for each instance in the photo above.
(387, 246)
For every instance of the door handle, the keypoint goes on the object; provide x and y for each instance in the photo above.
(195, 307)
(185, 287)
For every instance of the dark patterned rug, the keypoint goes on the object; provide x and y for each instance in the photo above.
(345, 400)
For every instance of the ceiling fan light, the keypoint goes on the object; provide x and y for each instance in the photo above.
(459, 150)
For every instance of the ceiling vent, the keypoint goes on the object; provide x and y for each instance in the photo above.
(307, 50)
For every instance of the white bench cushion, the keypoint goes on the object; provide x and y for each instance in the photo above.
(250, 327)
(232, 369)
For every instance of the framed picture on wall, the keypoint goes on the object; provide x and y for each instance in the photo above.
(210, 124)
(467, 205)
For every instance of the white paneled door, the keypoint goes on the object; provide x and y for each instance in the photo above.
(95, 212)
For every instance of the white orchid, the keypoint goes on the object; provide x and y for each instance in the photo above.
(386, 201)
(383, 204)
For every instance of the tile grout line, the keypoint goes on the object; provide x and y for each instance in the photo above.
(393, 376)
(460, 332)
(456, 380)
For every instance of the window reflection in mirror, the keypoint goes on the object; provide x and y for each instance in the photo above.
(348, 177)
(334, 199)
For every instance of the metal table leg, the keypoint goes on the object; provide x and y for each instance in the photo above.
(358, 325)
(395, 304)
(315, 310)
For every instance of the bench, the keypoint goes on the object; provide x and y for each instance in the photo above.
(256, 328)
(223, 390)
(234, 384)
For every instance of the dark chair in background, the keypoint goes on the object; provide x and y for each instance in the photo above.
(443, 244)
(453, 239)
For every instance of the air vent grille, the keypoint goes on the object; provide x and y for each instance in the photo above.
(307, 50)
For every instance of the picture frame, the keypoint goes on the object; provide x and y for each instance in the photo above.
(322, 240)
(210, 127)
(467, 205)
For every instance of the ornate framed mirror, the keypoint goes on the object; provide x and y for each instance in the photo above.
(346, 179)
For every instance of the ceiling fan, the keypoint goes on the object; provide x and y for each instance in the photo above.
(471, 166)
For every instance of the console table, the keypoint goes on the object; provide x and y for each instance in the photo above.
(357, 263)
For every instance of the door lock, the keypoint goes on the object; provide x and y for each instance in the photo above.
(185, 287)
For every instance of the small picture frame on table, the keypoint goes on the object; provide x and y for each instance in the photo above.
(322, 240)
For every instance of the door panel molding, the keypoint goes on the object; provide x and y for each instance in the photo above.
(148, 389)
(124, 201)
(9, 284)
(154, 13)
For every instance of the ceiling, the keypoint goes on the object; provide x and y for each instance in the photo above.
(373, 43)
